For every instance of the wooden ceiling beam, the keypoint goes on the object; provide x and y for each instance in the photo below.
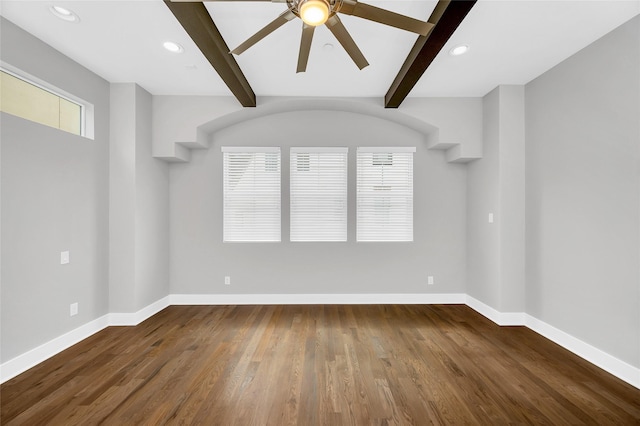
(446, 17)
(197, 22)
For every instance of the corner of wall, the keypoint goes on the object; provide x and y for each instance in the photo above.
(139, 204)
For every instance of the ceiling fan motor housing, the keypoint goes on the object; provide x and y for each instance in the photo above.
(334, 6)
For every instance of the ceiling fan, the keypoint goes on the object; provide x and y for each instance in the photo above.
(317, 12)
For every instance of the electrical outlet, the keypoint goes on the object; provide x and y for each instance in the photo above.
(64, 257)
(227, 280)
(430, 280)
(490, 219)
(73, 309)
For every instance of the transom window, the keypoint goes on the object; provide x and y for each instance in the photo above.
(33, 102)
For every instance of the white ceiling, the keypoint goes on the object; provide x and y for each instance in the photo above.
(511, 42)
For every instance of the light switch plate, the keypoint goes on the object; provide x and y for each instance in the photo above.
(64, 257)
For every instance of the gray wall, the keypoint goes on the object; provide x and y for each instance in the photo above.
(483, 197)
(512, 199)
(583, 194)
(122, 199)
(54, 193)
(199, 259)
(139, 205)
(152, 211)
(496, 182)
(462, 142)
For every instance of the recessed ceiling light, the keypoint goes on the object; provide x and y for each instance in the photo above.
(459, 50)
(64, 14)
(173, 47)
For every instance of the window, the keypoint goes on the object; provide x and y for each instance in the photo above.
(318, 194)
(251, 192)
(31, 101)
(385, 194)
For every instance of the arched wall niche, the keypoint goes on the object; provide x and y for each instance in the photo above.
(207, 130)
(183, 125)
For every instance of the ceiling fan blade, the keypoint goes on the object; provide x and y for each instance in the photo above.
(268, 29)
(386, 17)
(340, 32)
(305, 47)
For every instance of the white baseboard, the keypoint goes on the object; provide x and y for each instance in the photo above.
(609, 363)
(22, 363)
(136, 318)
(618, 368)
(311, 299)
(500, 318)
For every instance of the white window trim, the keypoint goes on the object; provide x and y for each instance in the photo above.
(250, 149)
(299, 149)
(392, 149)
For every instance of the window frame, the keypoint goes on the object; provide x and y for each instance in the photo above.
(363, 232)
(340, 232)
(251, 150)
(86, 108)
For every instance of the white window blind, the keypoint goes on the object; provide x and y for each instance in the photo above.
(318, 194)
(251, 192)
(385, 194)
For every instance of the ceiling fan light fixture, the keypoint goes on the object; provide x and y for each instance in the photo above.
(314, 12)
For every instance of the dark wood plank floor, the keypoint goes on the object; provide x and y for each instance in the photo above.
(317, 365)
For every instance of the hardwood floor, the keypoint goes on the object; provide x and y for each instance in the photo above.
(317, 365)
